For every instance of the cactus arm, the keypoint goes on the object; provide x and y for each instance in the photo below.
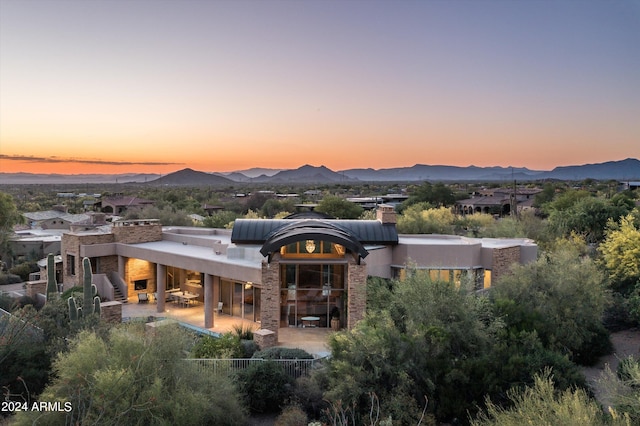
(52, 285)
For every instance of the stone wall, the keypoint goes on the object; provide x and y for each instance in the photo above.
(137, 233)
(32, 288)
(107, 264)
(356, 292)
(265, 338)
(138, 269)
(111, 312)
(503, 259)
(70, 251)
(270, 297)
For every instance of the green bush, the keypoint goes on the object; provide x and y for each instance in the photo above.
(243, 332)
(24, 269)
(292, 415)
(265, 385)
(249, 347)
(224, 347)
(283, 353)
(71, 291)
(9, 279)
(308, 395)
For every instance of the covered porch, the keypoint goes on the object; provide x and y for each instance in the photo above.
(310, 339)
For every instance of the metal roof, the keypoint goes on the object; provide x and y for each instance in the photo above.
(313, 230)
(257, 231)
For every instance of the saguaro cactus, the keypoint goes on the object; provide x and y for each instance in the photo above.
(52, 284)
(90, 300)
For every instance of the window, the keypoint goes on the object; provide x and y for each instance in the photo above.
(71, 264)
(312, 248)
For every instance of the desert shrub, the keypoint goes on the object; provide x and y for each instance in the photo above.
(5, 302)
(249, 347)
(292, 415)
(308, 395)
(71, 291)
(9, 279)
(542, 403)
(226, 346)
(126, 377)
(244, 332)
(283, 353)
(265, 385)
(24, 269)
(21, 302)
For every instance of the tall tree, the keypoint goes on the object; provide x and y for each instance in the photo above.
(562, 297)
(339, 207)
(9, 217)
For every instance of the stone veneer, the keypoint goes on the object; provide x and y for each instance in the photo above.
(503, 259)
(265, 338)
(32, 288)
(270, 297)
(134, 232)
(70, 246)
(111, 312)
(356, 291)
(137, 269)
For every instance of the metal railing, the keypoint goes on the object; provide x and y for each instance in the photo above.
(293, 367)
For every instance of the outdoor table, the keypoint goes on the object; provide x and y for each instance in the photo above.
(310, 320)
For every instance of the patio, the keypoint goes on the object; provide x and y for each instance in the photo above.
(311, 339)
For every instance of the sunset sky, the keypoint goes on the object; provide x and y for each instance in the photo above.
(112, 86)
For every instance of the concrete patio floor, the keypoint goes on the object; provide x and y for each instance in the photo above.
(311, 339)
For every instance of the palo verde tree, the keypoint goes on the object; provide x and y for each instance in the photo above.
(562, 297)
(133, 377)
(621, 253)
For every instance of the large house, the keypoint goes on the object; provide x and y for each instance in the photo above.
(302, 270)
(498, 201)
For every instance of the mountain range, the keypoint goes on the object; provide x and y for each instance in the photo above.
(623, 170)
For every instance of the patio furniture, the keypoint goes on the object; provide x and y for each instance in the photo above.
(310, 321)
(219, 310)
(143, 298)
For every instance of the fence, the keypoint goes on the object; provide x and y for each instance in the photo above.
(293, 367)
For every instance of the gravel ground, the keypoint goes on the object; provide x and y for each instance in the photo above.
(625, 343)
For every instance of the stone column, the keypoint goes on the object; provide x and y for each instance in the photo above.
(270, 298)
(356, 292)
(208, 301)
(161, 285)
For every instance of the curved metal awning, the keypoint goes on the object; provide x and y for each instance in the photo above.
(312, 230)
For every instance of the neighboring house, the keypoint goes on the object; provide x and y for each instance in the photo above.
(45, 231)
(56, 218)
(281, 273)
(121, 204)
(498, 201)
(211, 209)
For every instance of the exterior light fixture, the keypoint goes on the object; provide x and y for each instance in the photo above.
(311, 246)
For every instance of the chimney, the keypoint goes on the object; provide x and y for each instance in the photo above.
(386, 214)
(59, 208)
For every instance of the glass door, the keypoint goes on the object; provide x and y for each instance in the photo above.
(236, 307)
